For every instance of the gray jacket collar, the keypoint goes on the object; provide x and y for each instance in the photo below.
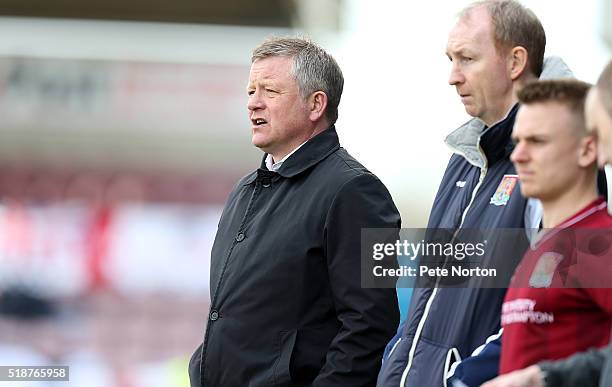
(465, 140)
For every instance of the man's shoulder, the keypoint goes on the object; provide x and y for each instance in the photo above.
(341, 173)
(245, 180)
(343, 163)
(340, 167)
(596, 215)
(600, 219)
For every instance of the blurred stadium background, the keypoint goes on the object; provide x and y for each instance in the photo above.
(123, 127)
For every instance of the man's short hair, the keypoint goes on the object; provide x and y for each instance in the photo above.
(569, 92)
(515, 25)
(313, 68)
(604, 88)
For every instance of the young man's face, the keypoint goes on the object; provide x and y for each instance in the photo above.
(479, 72)
(547, 149)
(599, 121)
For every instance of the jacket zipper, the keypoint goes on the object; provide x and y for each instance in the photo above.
(417, 335)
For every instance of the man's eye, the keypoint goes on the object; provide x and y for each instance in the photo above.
(250, 92)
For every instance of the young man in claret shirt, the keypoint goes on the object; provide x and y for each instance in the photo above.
(557, 303)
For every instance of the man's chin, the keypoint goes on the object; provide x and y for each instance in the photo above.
(259, 143)
(470, 111)
(528, 192)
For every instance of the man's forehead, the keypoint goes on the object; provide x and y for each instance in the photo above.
(272, 62)
(526, 120)
(595, 112)
(541, 118)
(469, 33)
(270, 68)
(592, 101)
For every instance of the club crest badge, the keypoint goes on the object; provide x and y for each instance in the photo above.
(544, 270)
(504, 190)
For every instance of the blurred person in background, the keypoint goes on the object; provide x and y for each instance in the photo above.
(496, 47)
(594, 367)
(287, 304)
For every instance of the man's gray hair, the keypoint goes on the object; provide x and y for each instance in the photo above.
(515, 25)
(313, 68)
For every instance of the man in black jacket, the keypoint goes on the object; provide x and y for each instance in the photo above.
(287, 305)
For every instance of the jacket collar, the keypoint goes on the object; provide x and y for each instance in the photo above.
(307, 156)
(495, 141)
(482, 146)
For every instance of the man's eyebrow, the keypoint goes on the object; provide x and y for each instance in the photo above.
(261, 82)
(536, 136)
(461, 51)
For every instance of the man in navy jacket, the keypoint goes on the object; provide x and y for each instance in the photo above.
(495, 48)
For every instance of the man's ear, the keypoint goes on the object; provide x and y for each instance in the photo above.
(587, 154)
(317, 103)
(517, 62)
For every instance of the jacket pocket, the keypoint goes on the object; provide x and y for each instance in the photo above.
(281, 372)
(452, 357)
(393, 348)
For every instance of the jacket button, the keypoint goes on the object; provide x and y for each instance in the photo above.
(240, 237)
(266, 183)
(214, 315)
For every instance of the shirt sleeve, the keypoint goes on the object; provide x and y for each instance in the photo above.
(480, 366)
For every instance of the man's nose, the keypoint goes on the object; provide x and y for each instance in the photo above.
(255, 102)
(456, 77)
(519, 154)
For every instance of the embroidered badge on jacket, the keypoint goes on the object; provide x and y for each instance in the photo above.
(504, 190)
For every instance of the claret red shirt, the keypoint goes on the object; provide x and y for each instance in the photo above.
(557, 303)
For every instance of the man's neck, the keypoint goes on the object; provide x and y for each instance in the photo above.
(501, 113)
(511, 100)
(274, 165)
(278, 156)
(558, 210)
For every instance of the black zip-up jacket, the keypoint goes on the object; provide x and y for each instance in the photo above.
(287, 304)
